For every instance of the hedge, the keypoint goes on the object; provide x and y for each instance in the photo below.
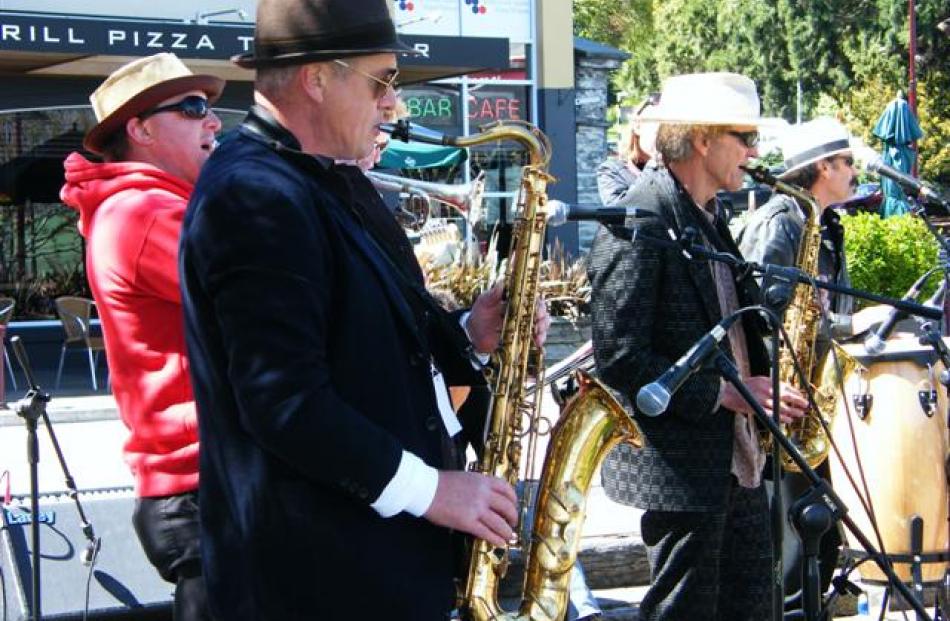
(886, 256)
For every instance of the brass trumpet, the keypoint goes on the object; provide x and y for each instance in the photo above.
(422, 197)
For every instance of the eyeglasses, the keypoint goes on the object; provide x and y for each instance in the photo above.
(191, 107)
(382, 86)
(749, 139)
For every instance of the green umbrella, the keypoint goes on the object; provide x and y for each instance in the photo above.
(400, 154)
(898, 129)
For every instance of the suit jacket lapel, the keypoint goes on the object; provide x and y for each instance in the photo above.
(687, 215)
(383, 268)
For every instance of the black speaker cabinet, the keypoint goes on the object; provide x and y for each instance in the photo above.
(121, 584)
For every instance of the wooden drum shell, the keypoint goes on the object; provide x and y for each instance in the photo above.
(903, 451)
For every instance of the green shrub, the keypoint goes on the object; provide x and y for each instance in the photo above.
(886, 256)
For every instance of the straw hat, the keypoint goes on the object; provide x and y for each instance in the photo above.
(709, 99)
(813, 141)
(139, 85)
(289, 32)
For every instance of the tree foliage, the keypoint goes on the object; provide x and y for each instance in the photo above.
(852, 53)
(887, 255)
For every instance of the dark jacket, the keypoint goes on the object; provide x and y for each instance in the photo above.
(615, 180)
(649, 305)
(311, 372)
(773, 233)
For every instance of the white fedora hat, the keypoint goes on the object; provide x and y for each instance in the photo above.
(813, 141)
(139, 85)
(709, 99)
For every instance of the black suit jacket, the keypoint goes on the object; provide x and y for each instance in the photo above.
(311, 373)
(649, 305)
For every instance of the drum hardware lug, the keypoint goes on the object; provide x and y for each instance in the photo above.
(862, 404)
(928, 399)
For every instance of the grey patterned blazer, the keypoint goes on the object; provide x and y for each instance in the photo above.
(649, 305)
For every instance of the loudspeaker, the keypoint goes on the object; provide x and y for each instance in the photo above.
(121, 584)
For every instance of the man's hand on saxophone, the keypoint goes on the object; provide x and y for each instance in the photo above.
(487, 316)
(792, 405)
(471, 502)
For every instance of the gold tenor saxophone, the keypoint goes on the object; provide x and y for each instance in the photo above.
(591, 423)
(801, 323)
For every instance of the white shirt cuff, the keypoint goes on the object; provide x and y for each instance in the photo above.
(411, 489)
(463, 320)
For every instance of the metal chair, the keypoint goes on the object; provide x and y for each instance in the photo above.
(6, 312)
(74, 314)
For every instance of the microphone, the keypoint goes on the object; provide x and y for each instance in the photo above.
(654, 398)
(874, 342)
(91, 551)
(560, 212)
(910, 185)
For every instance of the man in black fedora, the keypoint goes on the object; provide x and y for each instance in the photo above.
(328, 483)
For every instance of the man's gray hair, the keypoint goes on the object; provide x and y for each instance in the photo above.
(675, 142)
(274, 82)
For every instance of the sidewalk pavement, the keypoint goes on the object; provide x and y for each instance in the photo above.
(91, 436)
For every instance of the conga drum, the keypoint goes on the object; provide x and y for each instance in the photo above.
(898, 412)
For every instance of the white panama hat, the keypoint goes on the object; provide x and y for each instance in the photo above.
(709, 99)
(812, 141)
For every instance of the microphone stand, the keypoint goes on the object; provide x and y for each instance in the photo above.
(797, 276)
(31, 408)
(816, 511)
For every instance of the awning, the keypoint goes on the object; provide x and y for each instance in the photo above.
(52, 44)
(37, 175)
(400, 154)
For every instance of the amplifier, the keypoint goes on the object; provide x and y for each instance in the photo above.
(122, 584)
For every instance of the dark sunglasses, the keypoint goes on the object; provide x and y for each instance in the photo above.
(191, 107)
(749, 139)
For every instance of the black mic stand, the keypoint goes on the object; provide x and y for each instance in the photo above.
(31, 408)
(815, 512)
(793, 275)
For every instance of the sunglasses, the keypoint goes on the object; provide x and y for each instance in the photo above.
(749, 139)
(191, 107)
(381, 87)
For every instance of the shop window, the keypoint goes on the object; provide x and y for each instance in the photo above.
(41, 251)
(434, 106)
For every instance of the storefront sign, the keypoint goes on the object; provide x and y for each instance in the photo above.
(509, 19)
(498, 103)
(495, 109)
(54, 34)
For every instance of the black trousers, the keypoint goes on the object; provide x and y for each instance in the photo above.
(710, 565)
(168, 529)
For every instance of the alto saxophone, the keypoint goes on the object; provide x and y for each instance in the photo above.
(801, 323)
(591, 422)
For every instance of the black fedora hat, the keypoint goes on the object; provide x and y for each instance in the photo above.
(289, 32)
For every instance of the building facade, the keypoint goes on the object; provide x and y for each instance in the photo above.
(482, 61)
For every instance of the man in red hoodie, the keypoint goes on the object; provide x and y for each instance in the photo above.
(155, 130)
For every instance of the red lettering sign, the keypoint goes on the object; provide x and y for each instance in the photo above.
(494, 109)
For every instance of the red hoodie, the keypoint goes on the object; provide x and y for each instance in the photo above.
(131, 213)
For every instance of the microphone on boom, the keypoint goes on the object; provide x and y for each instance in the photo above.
(910, 185)
(560, 212)
(654, 398)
